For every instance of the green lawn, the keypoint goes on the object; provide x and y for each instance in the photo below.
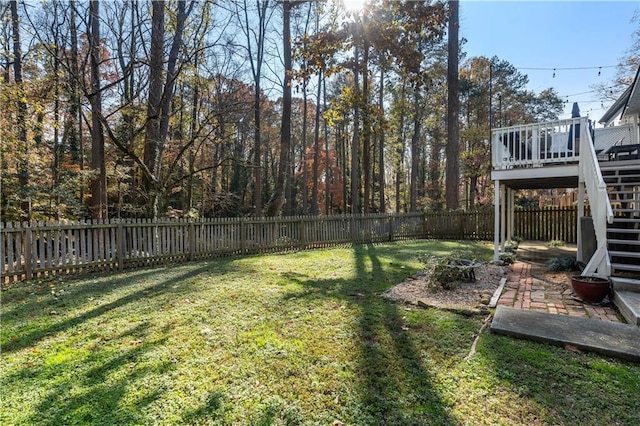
(300, 338)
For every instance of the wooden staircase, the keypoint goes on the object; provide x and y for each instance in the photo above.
(623, 235)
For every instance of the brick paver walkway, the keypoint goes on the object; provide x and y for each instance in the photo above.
(524, 291)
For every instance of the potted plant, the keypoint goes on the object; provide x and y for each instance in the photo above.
(590, 289)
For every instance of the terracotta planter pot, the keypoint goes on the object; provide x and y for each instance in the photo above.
(590, 289)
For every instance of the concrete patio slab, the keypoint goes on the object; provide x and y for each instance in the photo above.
(603, 337)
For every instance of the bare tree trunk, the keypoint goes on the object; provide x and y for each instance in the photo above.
(341, 139)
(327, 170)
(401, 148)
(57, 149)
(195, 103)
(315, 209)
(278, 198)
(473, 187)
(99, 180)
(167, 95)
(434, 170)
(154, 106)
(76, 146)
(453, 136)
(128, 116)
(305, 169)
(257, 155)
(415, 149)
(6, 48)
(23, 162)
(355, 144)
(366, 130)
(256, 69)
(381, 180)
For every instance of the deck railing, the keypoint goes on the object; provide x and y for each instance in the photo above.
(601, 211)
(534, 145)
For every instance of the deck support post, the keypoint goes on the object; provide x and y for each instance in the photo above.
(503, 214)
(510, 212)
(581, 193)
(496, 220)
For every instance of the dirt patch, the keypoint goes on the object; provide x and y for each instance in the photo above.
(471, 297)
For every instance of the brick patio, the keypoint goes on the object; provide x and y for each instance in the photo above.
(524, 290)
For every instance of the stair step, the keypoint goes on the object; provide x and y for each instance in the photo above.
(623, 230)
(628, 303)
(623, 193)
(618, 253)
(613, 178)
(626, 210)
(608, 174)
(624, 242)
(611, 184)
(619, 166)
(626, 219)
(625, 284)
(622, 181)
(625, 267)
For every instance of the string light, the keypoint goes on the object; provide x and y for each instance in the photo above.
(591, 91)
(571, 68)
(556, 69)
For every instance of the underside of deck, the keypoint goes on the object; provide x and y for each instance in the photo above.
(548, 177)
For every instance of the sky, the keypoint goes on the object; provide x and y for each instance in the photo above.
(554, 34)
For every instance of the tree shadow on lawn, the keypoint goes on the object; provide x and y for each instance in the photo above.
(559, 386)
(396, 387)
(98, 380)
(26, 314)
(91, 396)
(31, 297)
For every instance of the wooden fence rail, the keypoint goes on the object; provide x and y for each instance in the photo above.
(36, 249)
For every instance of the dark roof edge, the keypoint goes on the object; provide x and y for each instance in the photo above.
(634, 91)
(621, 103)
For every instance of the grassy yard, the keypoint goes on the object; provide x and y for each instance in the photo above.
(300, 338)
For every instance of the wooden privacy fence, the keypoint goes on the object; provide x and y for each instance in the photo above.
(36, 249)
(475, 225)
(547, 224)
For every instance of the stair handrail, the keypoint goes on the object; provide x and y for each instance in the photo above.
(601, 211)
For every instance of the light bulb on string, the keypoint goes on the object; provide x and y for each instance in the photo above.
(599, 71)
(554, 73)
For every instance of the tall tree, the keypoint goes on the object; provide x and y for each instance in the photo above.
(275, 206)
(355, 143)
(415, 147)
(161, 91)
(453, 102)
(23, 143)
(99, 178)
(154, 104)
(255, 37)
(278, 198)
(381, 144)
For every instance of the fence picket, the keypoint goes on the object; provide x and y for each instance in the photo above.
(6, 245)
